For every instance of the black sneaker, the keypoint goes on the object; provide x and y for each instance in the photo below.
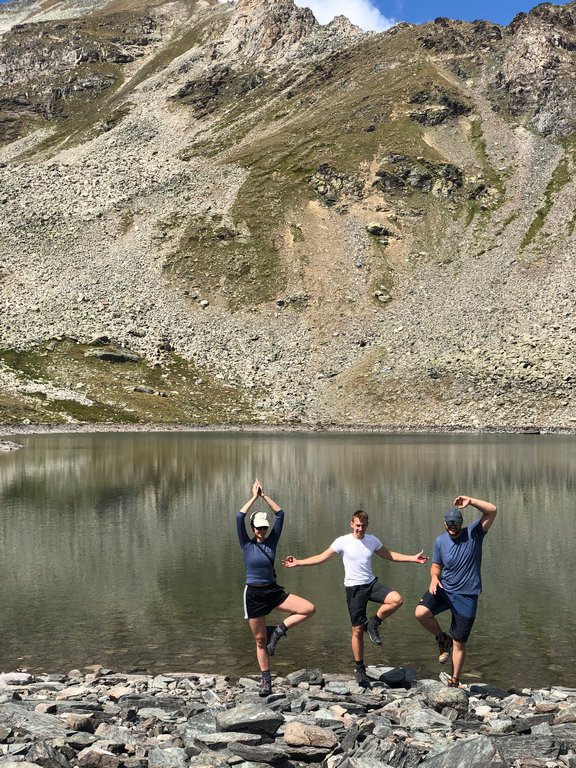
(277, 633)
(444, 643)
(372, 629)
(362, 678)
(265, 685)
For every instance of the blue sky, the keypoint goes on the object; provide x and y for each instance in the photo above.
(380, 14)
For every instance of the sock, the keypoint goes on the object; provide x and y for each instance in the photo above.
(281, 628)
(378, 620)
(266, 675)
(360, 664)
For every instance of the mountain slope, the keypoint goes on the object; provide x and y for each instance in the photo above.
(280, 221)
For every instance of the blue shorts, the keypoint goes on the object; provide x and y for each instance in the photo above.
(462, 607)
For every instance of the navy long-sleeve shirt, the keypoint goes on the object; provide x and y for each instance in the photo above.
(259, 569)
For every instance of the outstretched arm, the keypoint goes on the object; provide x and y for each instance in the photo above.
(488, 509)
(291, 562)
(398, 557)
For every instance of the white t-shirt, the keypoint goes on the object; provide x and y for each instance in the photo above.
(357, 557)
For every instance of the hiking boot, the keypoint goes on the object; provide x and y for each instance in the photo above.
(362, 678)
(265, 685)
(444, 643)
(372, 629)
(277, 633)
(451, 682)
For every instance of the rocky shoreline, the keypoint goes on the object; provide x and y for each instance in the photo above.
(6, 430)
(97, 717)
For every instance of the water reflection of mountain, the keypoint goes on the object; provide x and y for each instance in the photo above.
(127, 541)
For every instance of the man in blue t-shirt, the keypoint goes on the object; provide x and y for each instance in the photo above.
(456, 582)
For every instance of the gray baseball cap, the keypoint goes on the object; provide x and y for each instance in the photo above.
(453, 516)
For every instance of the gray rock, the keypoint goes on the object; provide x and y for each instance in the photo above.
(423, 719)
(392, 676)
(439, 696)
(250, 719)
(96, 757)
(34, 724)
(44, 754)
(312, 676)
(113, 355)
(479, 752)
(269, 755)
(515, 747)
(171, 757)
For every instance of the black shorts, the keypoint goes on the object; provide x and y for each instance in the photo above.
(260, 601)
(358, 597)
(462, 607)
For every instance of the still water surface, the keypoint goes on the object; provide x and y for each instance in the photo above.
(121, 549)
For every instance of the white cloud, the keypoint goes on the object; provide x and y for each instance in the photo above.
(360, 12)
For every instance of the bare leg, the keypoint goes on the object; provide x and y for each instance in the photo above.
(298, 608)
(458, 656)
(428, 620)
(258, 627)
(358, 642)
(393, 601)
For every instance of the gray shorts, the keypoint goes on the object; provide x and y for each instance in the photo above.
(359, 596)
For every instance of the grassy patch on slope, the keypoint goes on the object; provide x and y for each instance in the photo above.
(56, 377)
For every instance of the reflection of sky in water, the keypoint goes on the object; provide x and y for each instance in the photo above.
(121, 548)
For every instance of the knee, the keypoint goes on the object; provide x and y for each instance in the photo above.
(310, 610)
(422, 612)
(395, 599)
(260, 641)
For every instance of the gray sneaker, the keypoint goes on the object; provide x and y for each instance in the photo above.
(372, 629)
(274, 637)
(265, 685)
(362, 678)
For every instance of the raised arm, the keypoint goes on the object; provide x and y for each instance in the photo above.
(272, 504)
(256, 491)
(398, 557)
(488, 509)
(291, 562)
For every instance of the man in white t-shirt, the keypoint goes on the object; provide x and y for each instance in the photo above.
(361, 585)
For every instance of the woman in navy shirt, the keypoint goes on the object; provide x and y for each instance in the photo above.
(262, 594)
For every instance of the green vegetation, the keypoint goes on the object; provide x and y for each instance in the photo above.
(492, 177)
(175, 392)
(560, 177)
(345, 111)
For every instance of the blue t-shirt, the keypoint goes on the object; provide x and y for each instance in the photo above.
(461, 560)
(259, 569)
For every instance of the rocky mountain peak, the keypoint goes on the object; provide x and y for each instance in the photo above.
(278, 217)
(264, 28)
(538, 68)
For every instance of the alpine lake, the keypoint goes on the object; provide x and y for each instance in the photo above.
(120, 549)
